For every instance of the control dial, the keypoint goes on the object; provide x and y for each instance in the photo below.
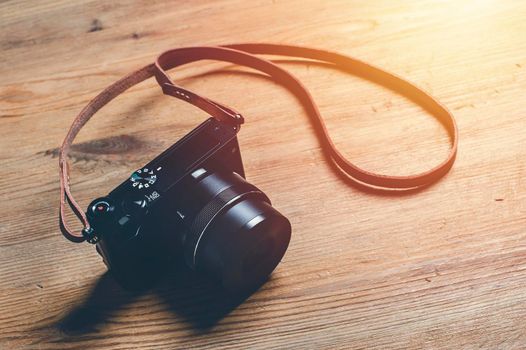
(144, 178)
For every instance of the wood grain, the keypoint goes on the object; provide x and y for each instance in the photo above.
(441, 269)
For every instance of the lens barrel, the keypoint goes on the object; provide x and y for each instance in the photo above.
(236, 235)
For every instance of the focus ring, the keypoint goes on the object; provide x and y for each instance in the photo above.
(206, 215)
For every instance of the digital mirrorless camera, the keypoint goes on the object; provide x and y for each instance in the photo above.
(191, 201)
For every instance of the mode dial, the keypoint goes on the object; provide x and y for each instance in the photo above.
(144, 178)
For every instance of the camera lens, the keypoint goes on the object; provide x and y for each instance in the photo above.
(236, 235)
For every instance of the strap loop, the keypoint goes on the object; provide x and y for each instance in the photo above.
(213, 108)
(244, 54)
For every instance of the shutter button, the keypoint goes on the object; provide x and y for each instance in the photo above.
(100, 207)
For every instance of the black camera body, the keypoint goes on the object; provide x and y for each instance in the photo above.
(191, 201)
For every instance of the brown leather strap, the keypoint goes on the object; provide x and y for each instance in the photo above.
(244, 54)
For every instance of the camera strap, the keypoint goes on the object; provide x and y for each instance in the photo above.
(244, 55)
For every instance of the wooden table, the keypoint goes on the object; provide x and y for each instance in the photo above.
(444, 268)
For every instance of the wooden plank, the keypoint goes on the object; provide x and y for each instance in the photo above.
(439, 269)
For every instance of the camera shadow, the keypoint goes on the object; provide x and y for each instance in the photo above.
(104, 301)
(197, 299)
(194, 298)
